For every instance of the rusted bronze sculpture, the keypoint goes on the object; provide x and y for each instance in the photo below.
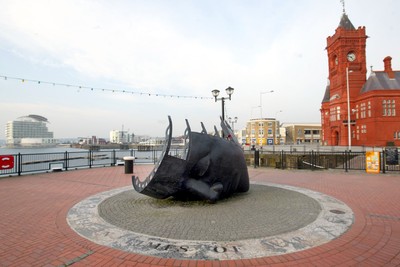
(211, 168)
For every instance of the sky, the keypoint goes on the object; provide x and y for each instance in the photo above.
(164, 57)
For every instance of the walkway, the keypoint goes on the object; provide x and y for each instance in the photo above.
(34, 230)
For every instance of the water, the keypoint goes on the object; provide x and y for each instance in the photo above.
(28, 160)
(8, 151)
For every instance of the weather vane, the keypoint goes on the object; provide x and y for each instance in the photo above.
(344, 10)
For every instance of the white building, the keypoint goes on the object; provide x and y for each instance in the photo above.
(29, 130)
(120, 137)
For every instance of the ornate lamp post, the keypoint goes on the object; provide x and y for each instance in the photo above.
(233, 121)
(229, 92)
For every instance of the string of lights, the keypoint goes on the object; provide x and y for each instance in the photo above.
(79, 87)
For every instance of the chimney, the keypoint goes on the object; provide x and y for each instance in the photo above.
(388, 67)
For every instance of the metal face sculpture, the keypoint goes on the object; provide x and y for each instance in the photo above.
(211, 168)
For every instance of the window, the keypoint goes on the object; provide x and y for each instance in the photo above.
(357, 112)
(260, 124)
(369, 109)
(384, 107)
(269, 131)
(363, 129)
(261, 132)
(363, 110)
(393, 108)
(358, 132)
(335, 114)
(389, 108)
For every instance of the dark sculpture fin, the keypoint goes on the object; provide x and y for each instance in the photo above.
(228, 132)
(216, 133)
(186, 135)
(204, 131)
(141, 185)
(201, 166)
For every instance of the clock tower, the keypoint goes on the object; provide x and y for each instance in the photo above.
(347, 73)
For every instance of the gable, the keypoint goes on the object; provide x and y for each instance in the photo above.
(379, 80)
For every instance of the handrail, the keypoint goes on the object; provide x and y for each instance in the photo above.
(42, 162)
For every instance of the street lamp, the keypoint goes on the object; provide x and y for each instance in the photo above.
(233, 121)
(348, 110)
(229, 92)
(261, 93)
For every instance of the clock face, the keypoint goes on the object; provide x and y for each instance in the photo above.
(351, 56)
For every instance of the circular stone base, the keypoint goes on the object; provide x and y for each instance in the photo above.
(263, 211)
(268, 220)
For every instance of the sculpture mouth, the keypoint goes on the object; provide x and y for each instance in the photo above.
(197, 173)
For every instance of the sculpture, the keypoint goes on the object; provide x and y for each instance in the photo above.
(211, 168)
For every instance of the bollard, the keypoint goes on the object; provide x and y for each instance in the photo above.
(256, 158)
(129, 164)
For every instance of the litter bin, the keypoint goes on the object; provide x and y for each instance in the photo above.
(128, 161)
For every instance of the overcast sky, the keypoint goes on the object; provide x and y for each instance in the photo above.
(175, 48)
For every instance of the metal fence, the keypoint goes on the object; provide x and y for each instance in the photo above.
(320, 160)
(44, 162)
(312, 160)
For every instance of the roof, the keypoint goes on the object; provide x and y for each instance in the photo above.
(327, 94)
(379, 80)
(346, 23)
(32, 117)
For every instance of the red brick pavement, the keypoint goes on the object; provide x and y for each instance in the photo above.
(34, 230)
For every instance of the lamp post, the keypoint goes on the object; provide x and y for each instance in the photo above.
(233, 121)
(348, 110)
(261, 93)
(229, 92)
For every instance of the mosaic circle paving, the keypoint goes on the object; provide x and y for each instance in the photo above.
(268, 220)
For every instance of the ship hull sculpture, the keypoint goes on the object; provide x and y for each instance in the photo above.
(211, 168)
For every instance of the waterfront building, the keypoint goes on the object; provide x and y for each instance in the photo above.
(263, 131)
(370, 107)
(241, 136)
(30, 130)
(302, 133)
(120, 137)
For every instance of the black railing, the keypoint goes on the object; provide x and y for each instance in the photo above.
(44, 162)
(314, 160)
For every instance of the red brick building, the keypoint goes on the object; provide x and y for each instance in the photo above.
(373, 103)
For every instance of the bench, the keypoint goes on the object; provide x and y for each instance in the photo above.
(119, 163)
(56, 167)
